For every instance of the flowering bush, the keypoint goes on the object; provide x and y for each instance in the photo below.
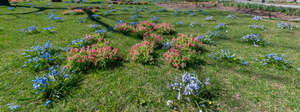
(142, 52)
(284, 25)
(255, 26)
(226, 55)
(40, 58)
(124, 28)
(97, 55)
(30, 30)
(253, 39)
(164, 28)
(190, 89)
(153, 38)
(180, 58)
(275, 60)
(187, 42)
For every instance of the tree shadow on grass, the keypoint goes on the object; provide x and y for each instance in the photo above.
(40, 9)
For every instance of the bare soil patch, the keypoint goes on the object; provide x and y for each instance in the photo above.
(219, 6)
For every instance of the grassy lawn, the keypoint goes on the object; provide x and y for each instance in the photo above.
(137, 87)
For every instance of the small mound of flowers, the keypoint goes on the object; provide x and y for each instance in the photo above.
(189, 88)
(139, 29)
(98, 55)
(183, 41)
(142, 52)
(276, 60)
(227, 55)
(164, 28)
(253, 39)
(51, 85)
(284, 25)
(256, 26)
(185, 51)
(30, 30)
(41, 57)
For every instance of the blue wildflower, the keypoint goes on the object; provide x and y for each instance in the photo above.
(101, 31)
(245, 63)
(12, 106)
(48, 102)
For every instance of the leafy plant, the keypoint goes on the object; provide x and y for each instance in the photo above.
(277, 61)
(42, 57)
(143, 52)
(98, 55)
(254, 39)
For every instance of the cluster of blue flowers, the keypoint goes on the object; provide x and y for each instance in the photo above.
(257, 18)
(215, 35)
(221, 27)
(205, 39)
(95, 26)
(276, 60)
(256, 26)
(101, 31)
(54, 17)
(176, 13)
(49, 82)
(193, 24)
(39, 58)
(284, 25)
(189, 87)
(209, 18)
(13, 107)
(11, 8)
(253, 39)
(49, 29)
(95, 16)
(231, 16)
(155, 19)
(179, 23)
(227, 55)
(167, 45)
(30, 29)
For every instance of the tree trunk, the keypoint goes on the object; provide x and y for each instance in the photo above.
(56, 0)
(4, 2)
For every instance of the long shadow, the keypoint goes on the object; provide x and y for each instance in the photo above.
(40, 9)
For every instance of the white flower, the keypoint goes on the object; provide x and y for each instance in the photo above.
(169, 102)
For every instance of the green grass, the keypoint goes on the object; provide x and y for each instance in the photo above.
(137, 87)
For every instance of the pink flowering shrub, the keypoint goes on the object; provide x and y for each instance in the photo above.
(185, 51)
(144, 27)
(187, 42)
(124, 28)
(165, 28)
(142, 52)
(97, 55)
(180, 58)
(153, 38)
